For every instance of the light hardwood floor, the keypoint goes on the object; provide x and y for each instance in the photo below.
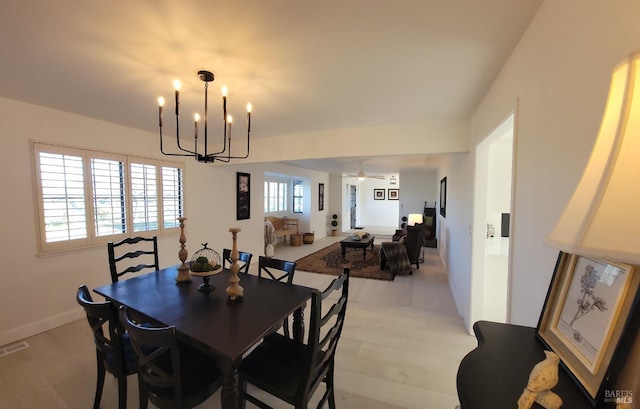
(400, 348)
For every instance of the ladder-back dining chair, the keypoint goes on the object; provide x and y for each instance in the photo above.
(242, 257)
(171, 374)
(132, 255)
(292, 371)
(113, 349)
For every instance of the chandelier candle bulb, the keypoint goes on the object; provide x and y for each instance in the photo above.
(249, 108)
(160, 105)
(177, 85)
(224, 102)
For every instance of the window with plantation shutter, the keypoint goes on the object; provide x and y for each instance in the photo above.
(298, 196)
(275, 196)
(144, 197)
(109, 197)
(171, 196)
(87, 198)
(63, 198)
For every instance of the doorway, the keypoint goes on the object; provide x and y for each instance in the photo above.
(492, 227)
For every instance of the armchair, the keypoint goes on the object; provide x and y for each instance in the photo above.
(405, 252)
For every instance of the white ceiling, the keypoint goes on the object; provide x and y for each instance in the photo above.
(305, 66)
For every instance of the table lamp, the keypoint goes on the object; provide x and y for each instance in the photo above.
(602, 219)
(414, 218)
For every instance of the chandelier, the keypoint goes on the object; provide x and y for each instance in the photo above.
(206, 156)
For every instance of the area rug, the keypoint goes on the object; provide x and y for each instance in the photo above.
(329, 260)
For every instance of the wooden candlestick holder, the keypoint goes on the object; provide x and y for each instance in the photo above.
(235, 290)
(183, 270)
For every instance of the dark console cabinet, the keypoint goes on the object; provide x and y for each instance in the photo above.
(493, 375)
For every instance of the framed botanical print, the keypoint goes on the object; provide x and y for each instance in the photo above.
(243, 196)
(590, 314)
(378, 194)
(393, 194)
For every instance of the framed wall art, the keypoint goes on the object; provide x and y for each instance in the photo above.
(590, 319)
(243, 196)
(393, 194)
(320, 196)
(378, 194)
(443, 197)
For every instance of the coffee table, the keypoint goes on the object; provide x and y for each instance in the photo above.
(357, 244)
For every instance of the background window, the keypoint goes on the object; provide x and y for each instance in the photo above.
(298, 196)
(275, 196)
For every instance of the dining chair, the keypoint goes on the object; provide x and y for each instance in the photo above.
(242, 256)
(113, 352)
(278, 270)
(171, 374)
(132, 248)
(292, 371)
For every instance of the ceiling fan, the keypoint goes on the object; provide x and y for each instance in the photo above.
(362, 176)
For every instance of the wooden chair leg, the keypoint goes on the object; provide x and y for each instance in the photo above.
(329, 381)
(122, 391)
(242, 392)
(143, 398)
(99, 382)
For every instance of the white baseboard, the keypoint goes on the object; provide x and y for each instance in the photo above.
(29, 330)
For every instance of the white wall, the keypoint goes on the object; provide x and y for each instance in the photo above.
(377, 212)
(417, 188)
(499, 178)
(560, 74)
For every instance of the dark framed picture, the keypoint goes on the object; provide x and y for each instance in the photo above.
(393, 194)
(378, 194)
(243, 196)
(443, 197)
(590, 319)
(320, 196)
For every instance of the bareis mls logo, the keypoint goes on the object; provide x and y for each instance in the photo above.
(618, 396)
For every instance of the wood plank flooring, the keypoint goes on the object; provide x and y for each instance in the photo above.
(400, 348)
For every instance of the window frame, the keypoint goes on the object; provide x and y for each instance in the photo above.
(92, 239)
(294, 184)
(279, 198)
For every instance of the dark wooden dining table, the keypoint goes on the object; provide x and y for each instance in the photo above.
(209, 321)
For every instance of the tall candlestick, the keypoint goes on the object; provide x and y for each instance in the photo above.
(235, 290)
(183, 270)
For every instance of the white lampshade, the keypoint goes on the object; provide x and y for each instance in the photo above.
(414, 218)
(602, 218)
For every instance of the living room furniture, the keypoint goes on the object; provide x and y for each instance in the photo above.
(411, 237)
(171, 374)
(363, 243)
(393, 255)
(283, 226)
(228, 330)
(495, 373)
(292, 372)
